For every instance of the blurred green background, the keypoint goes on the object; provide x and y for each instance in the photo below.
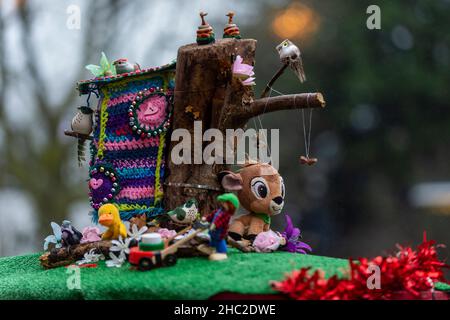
(383, 175)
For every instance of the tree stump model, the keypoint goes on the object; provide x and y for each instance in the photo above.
(206, 91)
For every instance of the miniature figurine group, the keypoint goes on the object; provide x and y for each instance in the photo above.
(205, 33)
(127, 171)
(259, 190)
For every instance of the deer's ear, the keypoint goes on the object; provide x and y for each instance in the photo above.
(230, 180)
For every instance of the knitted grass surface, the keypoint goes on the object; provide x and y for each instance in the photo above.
(22, 277)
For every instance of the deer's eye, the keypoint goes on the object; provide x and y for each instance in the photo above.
(259, 187)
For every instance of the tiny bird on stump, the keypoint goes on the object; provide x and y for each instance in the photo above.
(290, 55)
(82, 124)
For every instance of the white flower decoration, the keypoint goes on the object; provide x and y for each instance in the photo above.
(54, 238)
(116, 261)
(136, 234)
(91, 257)
(121, 246)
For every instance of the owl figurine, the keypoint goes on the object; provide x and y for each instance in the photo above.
(82, 124)
(290, 55)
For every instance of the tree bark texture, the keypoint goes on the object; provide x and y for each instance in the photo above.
(68, 255)
(205, 87)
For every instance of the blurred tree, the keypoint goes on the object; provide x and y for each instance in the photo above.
(33, 167)
(387, 122)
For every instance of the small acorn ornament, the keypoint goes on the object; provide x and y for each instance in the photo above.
(231, 30)
(205, 33)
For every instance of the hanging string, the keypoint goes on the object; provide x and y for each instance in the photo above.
(261, 124)
(307, 138)
(306, 132)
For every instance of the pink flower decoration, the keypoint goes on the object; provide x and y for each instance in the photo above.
(243, 71)
(249, 81)
(90, 234)
(267, 241)
(166, 233)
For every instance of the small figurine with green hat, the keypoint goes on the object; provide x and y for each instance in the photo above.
(219, 221)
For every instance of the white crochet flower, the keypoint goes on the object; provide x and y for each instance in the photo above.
(91, 257)
(116, 261)
(121, 246)
(136, 234)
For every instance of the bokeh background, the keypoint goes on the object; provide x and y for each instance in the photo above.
(383, 142)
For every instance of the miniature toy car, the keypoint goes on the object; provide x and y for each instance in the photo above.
(150, 253)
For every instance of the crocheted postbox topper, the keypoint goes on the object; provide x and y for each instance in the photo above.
(129, 139)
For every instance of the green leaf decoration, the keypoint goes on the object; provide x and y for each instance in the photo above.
(95, 70)
(105, 68)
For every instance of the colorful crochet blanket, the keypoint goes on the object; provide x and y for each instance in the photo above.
(128, 149)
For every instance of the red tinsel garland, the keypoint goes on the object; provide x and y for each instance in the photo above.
(410, 271)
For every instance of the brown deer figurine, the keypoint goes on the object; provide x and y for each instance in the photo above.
(260, 190)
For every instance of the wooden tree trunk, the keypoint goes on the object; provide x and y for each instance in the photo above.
(204, 83)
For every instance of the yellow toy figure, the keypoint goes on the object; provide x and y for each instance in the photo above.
(108, 216)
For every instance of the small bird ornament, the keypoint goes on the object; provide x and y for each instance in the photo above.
(124, 66)
(185, 214)
(290, 55)
(82, 124)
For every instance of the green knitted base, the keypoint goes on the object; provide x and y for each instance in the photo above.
(22, 277)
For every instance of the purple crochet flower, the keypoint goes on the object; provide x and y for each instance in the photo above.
(292, 235)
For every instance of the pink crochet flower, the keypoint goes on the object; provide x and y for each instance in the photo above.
(90, 234)
(166, 233)
(267, 241)
(243, 71)
(249, 82)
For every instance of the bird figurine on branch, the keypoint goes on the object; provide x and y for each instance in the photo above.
(290, 55)
(82, 125)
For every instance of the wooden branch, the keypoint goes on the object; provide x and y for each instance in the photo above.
(272, 81)
(68, 255)
(238, 246)
(285, 102)
(78, 135)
